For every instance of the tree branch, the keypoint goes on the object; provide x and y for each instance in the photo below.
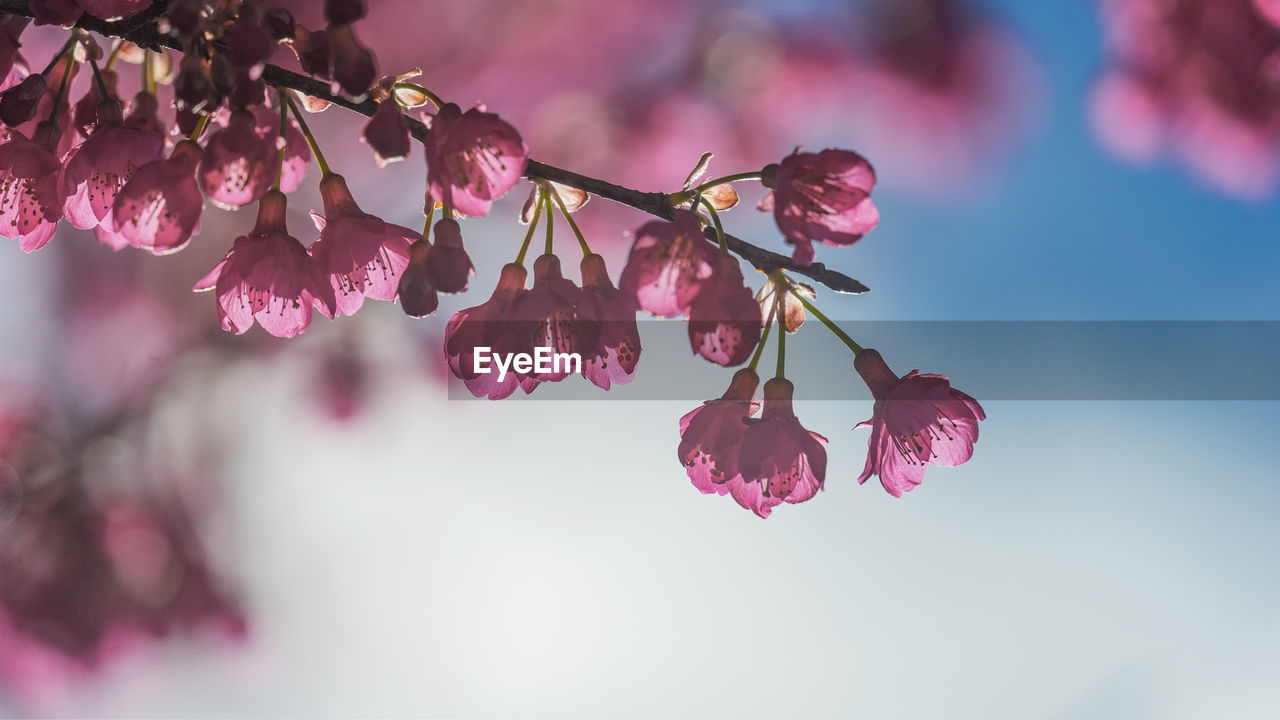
(139, 30)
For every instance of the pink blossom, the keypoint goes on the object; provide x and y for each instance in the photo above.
(917, 420)
(711, 438)
(552, 314)
(98, 168)
(239, 163)
(668, 265)
(724, 319)
(159, 208)
(821, 197)
(614, 359)
(354, 69)
(780, 460)
(448, 266)
(29, 207)
(486, 325)
(387, 133)
(473, 158)
(113, 9)
(361, 255)
(268, 275)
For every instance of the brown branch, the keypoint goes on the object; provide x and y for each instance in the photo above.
(146, 35)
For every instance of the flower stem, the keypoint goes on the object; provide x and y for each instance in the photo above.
(835, 329)
(546, 200)
(280, 138)
(53, 62)
(782, 353)
(62, 88)
(736, 177)
(533, 225)
(764, 335)
(428, 209)
(115, 54)
(97, 78)
(311, 139)
(573, 225)
(148, 75)
(199, 129)
(432, 97)
(715, 220)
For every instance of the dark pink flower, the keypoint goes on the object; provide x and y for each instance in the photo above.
(448, 266)
(417, 296)
(780, 460)
(917, 420)
(724, 319)
(29, 207)
(19, 103)
(668, 265)
(345, 11)
(354, 69)
(313, 50)
(113, 9)
(98, 168)
(821, 197)
(360, 254)
(159, 208)
(387, 133)
(711, 438)
(297, 153)
(614, 359)
(473, 158)
(85, 114)
(239, 163)
(485, 325)
(267, 275)
(552, 314)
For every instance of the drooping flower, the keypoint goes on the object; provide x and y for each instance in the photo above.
(668, 265)
(724, 319)
(552, 315)
(821, 197)
(614, 359)
(473, 158)
(159, 208)
(448, 266)
(917, 420)
(96, 170)
(85, 114)
(417, 296)
(485, 325)
(29, 207)
(711, 439)
(267, 275)
(19, 103)
(387, 133)
(361, 254)
(239, 163)
(354, 68)
(780, 460)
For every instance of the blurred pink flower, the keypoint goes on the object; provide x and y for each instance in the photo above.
(361, 255)
(780, 460)
(614, 359)
(724, 319)
(268, 275)
(823, 197)
(668, 265)
(473, 158)
(29, 207)
(159, 208)
(711, 439)
(917, 420)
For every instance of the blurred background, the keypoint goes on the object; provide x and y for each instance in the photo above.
(199, 524)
